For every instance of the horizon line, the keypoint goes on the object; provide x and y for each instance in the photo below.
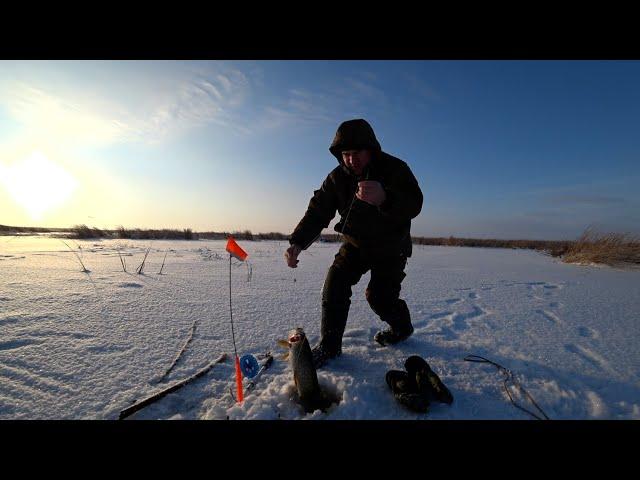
(6, 228)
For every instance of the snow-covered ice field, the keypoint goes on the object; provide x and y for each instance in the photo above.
(77, 345)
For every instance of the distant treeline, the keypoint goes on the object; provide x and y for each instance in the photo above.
(609, 248)
(7, 230)
(556, 248)
(86, 232)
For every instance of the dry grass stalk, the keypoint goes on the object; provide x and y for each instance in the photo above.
(141, 267)
(604, 248)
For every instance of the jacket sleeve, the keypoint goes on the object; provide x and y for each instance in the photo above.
(404, 197)
(321, 210)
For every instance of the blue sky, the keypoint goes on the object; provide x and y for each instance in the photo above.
(501, 149)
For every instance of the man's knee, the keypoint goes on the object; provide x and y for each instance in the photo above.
(381, 300)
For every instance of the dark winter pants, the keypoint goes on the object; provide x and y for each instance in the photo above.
(383, 291)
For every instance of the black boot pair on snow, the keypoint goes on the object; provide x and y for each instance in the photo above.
(419, 386)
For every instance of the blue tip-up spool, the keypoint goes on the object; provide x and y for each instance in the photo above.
(249, 365)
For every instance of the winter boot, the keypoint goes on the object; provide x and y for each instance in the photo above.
(401, 382)
(405, 391)
(427, 381)
(391, 336)
(330, 345)
(321, 354)
(399, 319)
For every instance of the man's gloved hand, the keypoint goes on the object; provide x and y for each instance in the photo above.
(371, 192)
(291, 255)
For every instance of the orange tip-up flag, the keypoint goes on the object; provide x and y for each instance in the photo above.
(234, 249)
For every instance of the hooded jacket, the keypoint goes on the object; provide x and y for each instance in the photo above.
(385, 229)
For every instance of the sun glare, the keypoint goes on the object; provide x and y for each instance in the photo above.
(38, 185)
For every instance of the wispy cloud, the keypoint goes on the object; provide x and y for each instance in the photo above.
(543, 215)
(572, 208)
(526, 226)
(366, 91)
(198, 101)
(99, 116)
(198, 94)
(340, 99)
(159, 102)
(45, 114)
(421, 88)
(307, 107)
(368, 75)
(586, 199)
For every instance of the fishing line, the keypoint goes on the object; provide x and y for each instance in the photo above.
(355, 194)
(233, 334)
(509, 377)
(352, 202)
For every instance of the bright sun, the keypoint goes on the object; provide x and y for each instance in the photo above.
(38, 185)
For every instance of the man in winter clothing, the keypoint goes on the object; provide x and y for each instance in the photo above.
(376, 195)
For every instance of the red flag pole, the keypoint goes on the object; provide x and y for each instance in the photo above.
(233, 336)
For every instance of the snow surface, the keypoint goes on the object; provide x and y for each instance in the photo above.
(77, 345)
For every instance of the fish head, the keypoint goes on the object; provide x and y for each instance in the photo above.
(296, 336)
